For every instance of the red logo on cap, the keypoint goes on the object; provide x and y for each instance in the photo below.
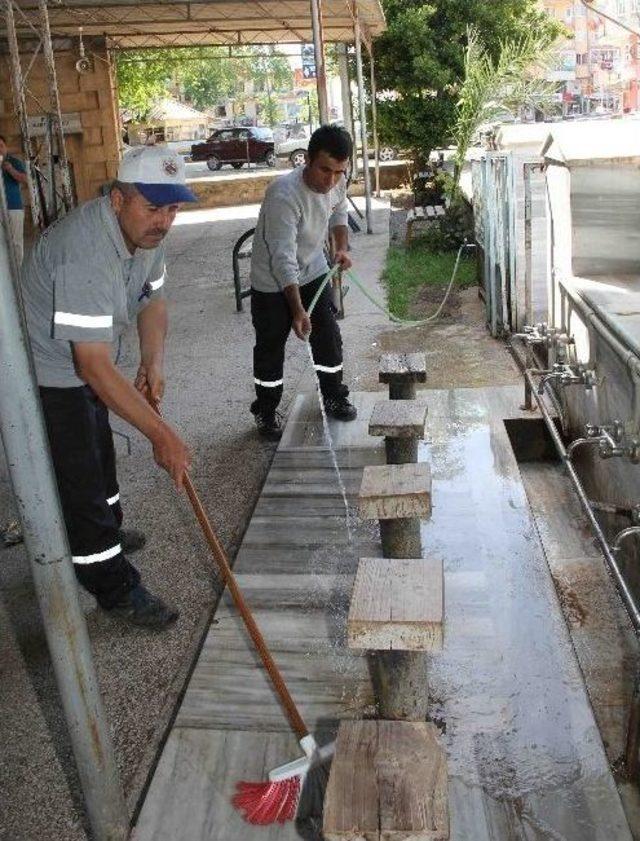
(170, 167)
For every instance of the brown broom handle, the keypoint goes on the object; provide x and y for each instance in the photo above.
(220, 557)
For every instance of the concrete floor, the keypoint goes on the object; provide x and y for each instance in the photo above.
(141, 675)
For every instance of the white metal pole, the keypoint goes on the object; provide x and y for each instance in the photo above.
(374, 120)
(347, 103)
(321, 71)
(27, 453)
(363, 119)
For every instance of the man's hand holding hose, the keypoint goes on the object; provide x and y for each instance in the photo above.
(301, 321)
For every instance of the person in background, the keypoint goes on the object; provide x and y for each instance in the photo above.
(14, 174)
(288, 266)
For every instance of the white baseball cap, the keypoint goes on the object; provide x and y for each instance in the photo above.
(157, 172)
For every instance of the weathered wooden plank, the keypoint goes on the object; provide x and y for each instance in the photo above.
(397, 605)
(388, 782)
(399, 419)
(402, 367)
(394, 491)
(431, 211)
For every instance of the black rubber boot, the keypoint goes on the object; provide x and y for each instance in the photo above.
(340, 408)
(268, 421)
(143, 609)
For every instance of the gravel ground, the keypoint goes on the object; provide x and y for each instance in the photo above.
(142, 674)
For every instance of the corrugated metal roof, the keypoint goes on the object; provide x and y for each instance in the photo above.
(149, 23)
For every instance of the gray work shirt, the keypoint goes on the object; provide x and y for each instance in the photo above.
(288, 245)
(81, 284)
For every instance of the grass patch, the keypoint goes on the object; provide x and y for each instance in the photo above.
(410, 269)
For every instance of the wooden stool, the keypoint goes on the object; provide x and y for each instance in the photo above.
(402, 371)
(396, 614)
(398, 496)
(402, 423)
(388, 782)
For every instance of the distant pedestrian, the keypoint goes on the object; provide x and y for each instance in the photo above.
(14, 174)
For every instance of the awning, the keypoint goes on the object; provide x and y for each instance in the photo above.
(148, 23)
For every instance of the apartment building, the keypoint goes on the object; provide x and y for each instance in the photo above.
(598, 66)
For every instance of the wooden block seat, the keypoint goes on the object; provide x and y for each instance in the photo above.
(402, 371)
(398, 419)
(395, 491)
(388, 782)
(402, 424)
(397, 605)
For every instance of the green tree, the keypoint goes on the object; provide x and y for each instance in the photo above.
(491, 88)
(205, 74)
(420, 61)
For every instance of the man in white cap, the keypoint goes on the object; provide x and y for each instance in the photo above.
(89, 275)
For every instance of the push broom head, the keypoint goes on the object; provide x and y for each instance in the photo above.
(277, 800)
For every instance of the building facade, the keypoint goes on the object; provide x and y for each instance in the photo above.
(598, 67)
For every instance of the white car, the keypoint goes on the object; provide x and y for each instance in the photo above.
(295, 149)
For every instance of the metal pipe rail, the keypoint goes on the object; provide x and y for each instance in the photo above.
(612, 564)
(632, 747)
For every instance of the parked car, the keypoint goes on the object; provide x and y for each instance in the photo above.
(236, 146)
(295, 149)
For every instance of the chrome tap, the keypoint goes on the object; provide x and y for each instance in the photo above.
(622, 535)
(567, 375)
(610, 441)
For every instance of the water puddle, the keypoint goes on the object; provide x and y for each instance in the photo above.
(329, 440)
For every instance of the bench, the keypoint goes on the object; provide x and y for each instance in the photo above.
(428, 213)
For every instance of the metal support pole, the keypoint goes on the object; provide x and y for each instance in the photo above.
(318, 48)
(27, 452)
(528, 259)
(20, 105)
(347, 103)
(54, 99)
(363, 118)
(374, 120)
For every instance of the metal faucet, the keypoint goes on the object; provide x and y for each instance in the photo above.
(610, 441)
(568, 375)
(622, 535)
(542, 334)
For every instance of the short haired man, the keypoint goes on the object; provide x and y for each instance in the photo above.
(13, 175)
(288, 265)
(89, 275)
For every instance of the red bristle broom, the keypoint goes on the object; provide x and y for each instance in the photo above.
(277, 799)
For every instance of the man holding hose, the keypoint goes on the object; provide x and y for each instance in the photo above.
(88, 276)
(288, 266)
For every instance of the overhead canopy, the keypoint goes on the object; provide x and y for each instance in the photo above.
(148, 23)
